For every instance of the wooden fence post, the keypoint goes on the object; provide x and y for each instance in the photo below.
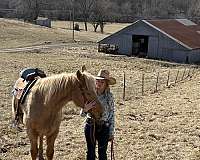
(177, 76)
(183, 74)
(124, 85)
(188, 73)
(99, 47)
(142, 84)
(193, 71)
(157, 79)
(168, 78)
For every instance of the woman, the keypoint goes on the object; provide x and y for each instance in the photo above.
(103, 130)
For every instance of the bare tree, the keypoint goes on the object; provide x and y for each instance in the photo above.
(126, 10)
(85, 8)
(98, 11)
(29, 9)
(194, 11)
(99, 15)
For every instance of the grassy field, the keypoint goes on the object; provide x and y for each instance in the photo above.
(19, 34)
(160, 126)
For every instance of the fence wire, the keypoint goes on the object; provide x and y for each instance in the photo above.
(136, 84)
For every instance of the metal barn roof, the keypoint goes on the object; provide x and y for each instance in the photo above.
(183, 31)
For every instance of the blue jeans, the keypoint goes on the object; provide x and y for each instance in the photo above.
(99, 133)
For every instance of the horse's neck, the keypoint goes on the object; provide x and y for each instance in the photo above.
(63, 93)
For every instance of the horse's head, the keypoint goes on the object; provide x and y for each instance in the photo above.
(87, 93)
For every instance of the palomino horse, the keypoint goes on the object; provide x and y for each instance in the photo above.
(42, 108)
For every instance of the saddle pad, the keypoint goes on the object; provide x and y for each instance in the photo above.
(19, 87)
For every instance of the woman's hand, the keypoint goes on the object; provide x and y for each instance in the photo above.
(89, 106)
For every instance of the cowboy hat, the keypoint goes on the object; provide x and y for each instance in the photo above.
(104, 74)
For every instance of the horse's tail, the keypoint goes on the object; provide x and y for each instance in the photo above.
(16, 109)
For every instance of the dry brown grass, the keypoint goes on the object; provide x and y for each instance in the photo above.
(163, 125)
(19, 34)
(109, 27)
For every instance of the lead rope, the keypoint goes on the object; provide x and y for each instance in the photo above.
(112, 150)
(93, 134)
(93, 138)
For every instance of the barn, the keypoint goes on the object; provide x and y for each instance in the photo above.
(43, 22)
(176, 40)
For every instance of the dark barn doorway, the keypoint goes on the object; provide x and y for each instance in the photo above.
(140, 45)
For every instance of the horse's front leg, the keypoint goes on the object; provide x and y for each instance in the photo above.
(41, 148)
(34, 146)
(50, 144)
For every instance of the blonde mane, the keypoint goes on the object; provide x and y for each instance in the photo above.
(51, 86)
(60, 84)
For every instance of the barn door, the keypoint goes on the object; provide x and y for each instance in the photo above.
(140, 45)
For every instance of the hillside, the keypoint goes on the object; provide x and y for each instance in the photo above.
(164, 125)
(157, 126)
(19, 34)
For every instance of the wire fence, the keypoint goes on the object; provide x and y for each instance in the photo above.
(137, 84)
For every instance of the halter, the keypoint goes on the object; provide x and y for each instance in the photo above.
(83, 93)
(84, 96)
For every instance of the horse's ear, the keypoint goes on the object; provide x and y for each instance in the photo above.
(83, 68)
(79, 75)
